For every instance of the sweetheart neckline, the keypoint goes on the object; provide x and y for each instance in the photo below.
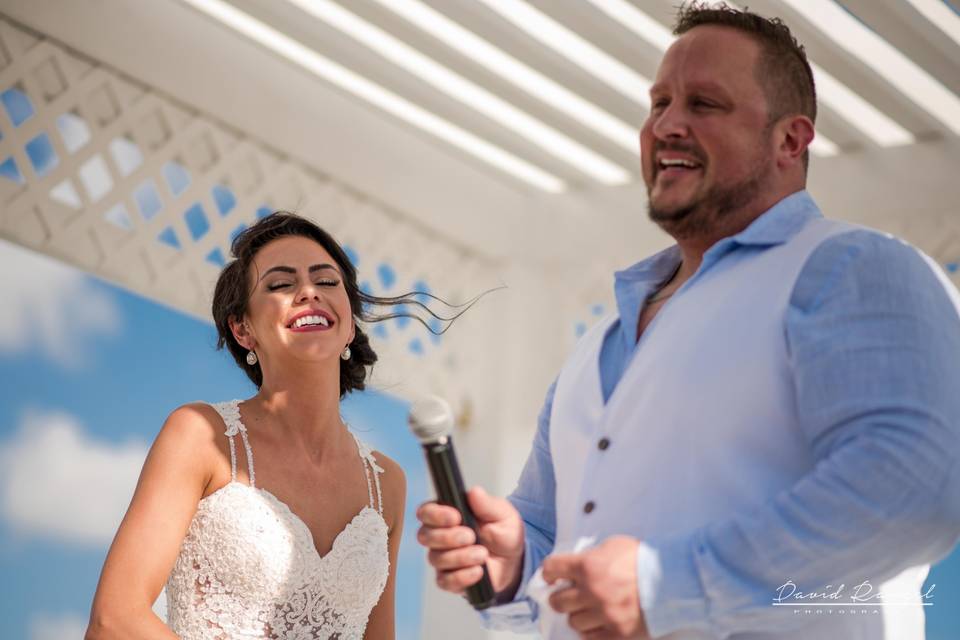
(297, 519)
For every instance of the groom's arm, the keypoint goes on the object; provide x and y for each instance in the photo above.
(874, 340)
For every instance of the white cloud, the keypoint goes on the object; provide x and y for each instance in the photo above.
(58, 482)
(50, 306)
(63, 627)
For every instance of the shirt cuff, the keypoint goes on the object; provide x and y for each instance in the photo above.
(671, 590)
(517, 616)
(520, 614)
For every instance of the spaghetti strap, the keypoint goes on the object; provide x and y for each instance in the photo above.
(230, 412)
(370, 463)
(233, 459)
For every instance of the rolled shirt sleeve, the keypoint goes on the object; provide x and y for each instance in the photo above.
(873, 335)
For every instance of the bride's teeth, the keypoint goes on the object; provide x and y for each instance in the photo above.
(311, 320)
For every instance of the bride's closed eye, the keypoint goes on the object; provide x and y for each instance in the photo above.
(276, 286)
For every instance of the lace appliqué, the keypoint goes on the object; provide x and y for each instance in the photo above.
(248, 566)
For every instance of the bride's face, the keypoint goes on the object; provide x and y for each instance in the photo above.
(298, 308)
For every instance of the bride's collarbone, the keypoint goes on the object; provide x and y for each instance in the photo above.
(325, 497)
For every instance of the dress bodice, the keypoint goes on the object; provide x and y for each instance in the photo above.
(248, 566)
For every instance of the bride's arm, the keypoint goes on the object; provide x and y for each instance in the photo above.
(173, 479)
(382, 623)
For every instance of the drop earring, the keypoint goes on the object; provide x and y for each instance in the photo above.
(251, 358)
(346, 353)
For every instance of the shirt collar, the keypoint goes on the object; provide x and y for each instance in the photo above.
(775, 226)
(780, 222)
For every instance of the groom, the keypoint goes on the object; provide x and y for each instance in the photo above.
(774, 404)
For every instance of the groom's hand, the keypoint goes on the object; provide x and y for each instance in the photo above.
(454, 549)
(603, 599)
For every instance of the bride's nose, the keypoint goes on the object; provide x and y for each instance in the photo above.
(308, 291)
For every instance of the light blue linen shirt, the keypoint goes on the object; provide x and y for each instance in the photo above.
(873, 332)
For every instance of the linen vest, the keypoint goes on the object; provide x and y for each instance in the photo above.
(703, 424)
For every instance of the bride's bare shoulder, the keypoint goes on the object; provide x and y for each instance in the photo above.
(184, 457)
(194, 422)
(192, 432)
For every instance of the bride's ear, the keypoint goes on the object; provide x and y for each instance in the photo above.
(242, 333)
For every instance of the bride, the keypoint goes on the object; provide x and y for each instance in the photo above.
(266, 517)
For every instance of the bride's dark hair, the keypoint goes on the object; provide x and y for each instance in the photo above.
(232, 294)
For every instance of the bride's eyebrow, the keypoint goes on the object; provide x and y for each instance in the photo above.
(283, 268)
(325, 265)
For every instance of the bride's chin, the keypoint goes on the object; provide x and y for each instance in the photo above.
(312, 358)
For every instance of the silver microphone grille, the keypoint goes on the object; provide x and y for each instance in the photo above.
(430, 419)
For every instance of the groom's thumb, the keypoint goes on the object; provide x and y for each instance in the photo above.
(488, 508)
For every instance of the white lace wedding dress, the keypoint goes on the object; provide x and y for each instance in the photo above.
(248, 567)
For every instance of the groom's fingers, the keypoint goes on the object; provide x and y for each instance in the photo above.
(568, 600)
(438, 515)
(488, 508)
(461, 558)
(568, 566)
(458, 580)
(443, 538)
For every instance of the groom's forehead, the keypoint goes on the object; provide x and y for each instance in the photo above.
(709, 54)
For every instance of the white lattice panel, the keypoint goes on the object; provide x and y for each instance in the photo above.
(103, 173)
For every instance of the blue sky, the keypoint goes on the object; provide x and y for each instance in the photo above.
(90, 371)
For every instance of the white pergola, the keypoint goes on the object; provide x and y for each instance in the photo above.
(139, 135)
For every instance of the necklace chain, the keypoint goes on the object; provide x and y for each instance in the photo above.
(653, 297)
(659, 298)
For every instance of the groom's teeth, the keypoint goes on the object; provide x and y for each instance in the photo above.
(687, 164)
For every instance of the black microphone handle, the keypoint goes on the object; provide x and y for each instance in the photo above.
(445, 471)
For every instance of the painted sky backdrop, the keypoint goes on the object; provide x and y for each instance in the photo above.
(89, 373)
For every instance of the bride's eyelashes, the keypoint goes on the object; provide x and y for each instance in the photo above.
(276, 286)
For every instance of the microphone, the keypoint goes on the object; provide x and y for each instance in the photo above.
(431, 421)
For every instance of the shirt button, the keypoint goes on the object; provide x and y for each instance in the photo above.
(587, 508)
(603, 444)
